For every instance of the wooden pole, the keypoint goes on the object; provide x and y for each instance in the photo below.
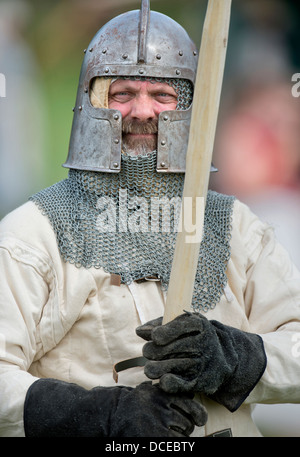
(199, 156)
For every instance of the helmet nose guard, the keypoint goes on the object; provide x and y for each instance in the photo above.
(140, 43)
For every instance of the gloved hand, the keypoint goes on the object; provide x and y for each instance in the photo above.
(58, 409)
(193, 354)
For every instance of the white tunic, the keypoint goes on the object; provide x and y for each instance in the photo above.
(73, 324)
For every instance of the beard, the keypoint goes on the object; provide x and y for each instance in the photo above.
(133, 145)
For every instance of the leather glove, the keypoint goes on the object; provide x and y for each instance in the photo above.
(58, 409)
(193, 354)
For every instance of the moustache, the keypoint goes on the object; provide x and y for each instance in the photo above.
(140, 127)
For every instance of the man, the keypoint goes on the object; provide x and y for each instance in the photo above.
(85, 268)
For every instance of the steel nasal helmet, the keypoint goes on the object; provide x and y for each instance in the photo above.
(139, 43)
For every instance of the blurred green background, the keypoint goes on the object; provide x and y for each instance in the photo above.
(41, 51)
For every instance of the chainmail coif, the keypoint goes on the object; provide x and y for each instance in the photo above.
(111, 221)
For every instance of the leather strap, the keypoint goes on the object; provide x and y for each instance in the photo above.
(226, 433)
(125, 364)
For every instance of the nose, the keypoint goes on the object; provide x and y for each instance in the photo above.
(143, 108)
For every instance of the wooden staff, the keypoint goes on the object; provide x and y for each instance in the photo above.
(204, 117)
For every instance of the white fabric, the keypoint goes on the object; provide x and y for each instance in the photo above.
(72, 324)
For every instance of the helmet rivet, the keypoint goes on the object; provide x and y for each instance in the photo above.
(104, 51)
(163, 142)
(180, 53)
(125, 56)
(158, 56)
(116, 164)
(162, 164)
(91, 49)
(195, 53)
(80, 108)
(106, 70)
(84, 50)
(141, 71)
(116, 117)
(166, 118)
(116, 141)
(177, 72)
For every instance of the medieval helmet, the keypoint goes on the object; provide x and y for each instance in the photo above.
(139, 43)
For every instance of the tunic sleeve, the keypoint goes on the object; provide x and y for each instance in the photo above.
(272, 301)
(23, 294)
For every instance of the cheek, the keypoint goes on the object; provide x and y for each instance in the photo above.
(165, 107)
(173, 106)
(124, 108)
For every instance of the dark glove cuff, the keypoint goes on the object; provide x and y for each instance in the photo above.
(58, 409)
(55, 408)
(251, 367)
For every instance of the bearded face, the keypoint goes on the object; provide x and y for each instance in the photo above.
(139, 137)
(140, 103)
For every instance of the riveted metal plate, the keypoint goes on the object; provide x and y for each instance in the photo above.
(173, 134)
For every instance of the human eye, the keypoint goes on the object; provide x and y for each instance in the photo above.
(121, 96)
(165, 97)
